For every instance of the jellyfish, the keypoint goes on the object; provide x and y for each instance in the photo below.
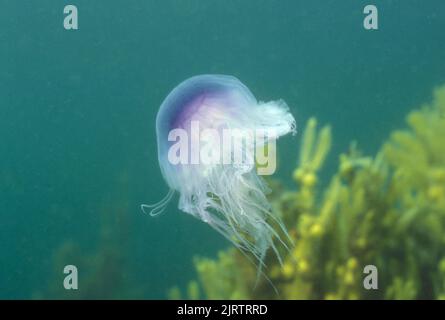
(230, 196)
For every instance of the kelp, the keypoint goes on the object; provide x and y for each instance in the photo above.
(386, 210)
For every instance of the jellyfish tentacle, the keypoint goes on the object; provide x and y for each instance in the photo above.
(259, 264)
(276, 220)
(159, 206)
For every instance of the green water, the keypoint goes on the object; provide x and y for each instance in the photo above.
(77, 116)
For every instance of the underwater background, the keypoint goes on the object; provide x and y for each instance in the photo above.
(78, 148)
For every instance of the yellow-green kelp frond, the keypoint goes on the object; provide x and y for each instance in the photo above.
(386, 210)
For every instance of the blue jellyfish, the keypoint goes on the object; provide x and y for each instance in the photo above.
(228, 195)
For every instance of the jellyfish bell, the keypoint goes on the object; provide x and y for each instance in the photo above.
(228, 192)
